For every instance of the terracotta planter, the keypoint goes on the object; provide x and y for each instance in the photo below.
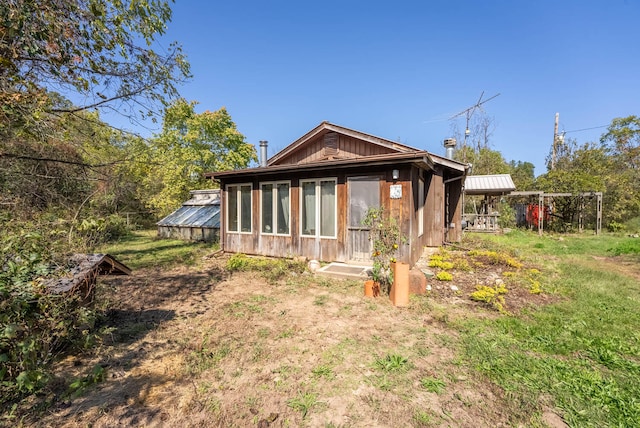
(371, 288)
(399, 294)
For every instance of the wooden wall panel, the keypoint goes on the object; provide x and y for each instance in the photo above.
(347, 148)
(400, 209)
(434, 221)
(454, 231)
(416, 241)
(404, 210)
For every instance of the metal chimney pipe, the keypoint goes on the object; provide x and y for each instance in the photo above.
(450, 144)
(263, 152)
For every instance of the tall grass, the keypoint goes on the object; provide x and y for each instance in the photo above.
(582, 353)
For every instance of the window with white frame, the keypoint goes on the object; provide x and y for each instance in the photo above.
(239, 208)
(421, 197)
(318, 216)
(275, 207)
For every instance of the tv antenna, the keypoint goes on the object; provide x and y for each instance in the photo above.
(468, 113)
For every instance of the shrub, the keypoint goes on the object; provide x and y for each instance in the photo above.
(438, 263)
(98, 230)
(495, 258)
(614, 226)
(491, 295)
(631, 246)
(444, 276)
(35, 325)
(385, 234)
(536, 288)
(238, 262)
(271, 269)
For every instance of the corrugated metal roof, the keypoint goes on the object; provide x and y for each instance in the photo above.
(488, 184)
(202, 210)
(193, 216)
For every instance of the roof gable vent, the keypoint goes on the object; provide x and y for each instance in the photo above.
(330, 142)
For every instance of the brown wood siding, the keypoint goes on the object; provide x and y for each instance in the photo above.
(416, 241)
(400, 209)
(434, 221)
(348, 148)
(404, 210)
(454, 232)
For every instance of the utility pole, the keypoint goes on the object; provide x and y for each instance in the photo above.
(555, 140)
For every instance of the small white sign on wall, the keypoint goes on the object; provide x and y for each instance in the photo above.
(395, 191)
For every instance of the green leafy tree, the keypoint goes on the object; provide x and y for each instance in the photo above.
(189, 145)
(622, 144)
(88, 48)
(578, 169)
(523, 175)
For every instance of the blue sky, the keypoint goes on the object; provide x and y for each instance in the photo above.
(400, 69)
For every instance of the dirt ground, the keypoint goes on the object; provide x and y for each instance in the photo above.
(201, 347)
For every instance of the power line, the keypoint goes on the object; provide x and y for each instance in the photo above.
(585, 129)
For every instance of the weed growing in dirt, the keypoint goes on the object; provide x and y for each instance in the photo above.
(205, 357)
(321, 300)
(78, 386)
(392, 363)
(324, 371)
(303, 402)
(495, 258)
(433, 384)
(440, 264)
(423, 418)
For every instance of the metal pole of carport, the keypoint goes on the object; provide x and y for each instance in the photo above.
(540, 213)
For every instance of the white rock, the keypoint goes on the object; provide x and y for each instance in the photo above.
(314, 265)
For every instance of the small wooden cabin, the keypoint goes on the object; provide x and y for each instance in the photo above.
(310, 198)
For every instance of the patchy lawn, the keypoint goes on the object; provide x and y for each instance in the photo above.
(199, 346)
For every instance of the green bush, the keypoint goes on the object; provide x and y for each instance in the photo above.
(271, 269)
(614, 226)
(444, 276)
(630, 246)
(35, 324)
(633, 225)
(99, 230)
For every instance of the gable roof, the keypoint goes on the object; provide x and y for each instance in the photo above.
(495, 184)
(325, 127)
(389, 153)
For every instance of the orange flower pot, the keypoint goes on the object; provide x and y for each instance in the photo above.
(371, 288)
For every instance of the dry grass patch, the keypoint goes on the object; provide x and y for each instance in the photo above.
(199, 346)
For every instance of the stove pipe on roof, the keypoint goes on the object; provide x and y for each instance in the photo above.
(450, 144)
(263, 152)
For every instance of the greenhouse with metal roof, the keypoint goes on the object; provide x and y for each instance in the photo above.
(198, 219)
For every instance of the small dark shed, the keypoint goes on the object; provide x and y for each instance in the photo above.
(198, 219)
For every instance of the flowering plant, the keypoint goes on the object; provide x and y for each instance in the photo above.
(386, 237)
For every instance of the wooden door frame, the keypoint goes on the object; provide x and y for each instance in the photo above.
(380, 178)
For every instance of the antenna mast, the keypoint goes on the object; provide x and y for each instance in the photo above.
(468, 113)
